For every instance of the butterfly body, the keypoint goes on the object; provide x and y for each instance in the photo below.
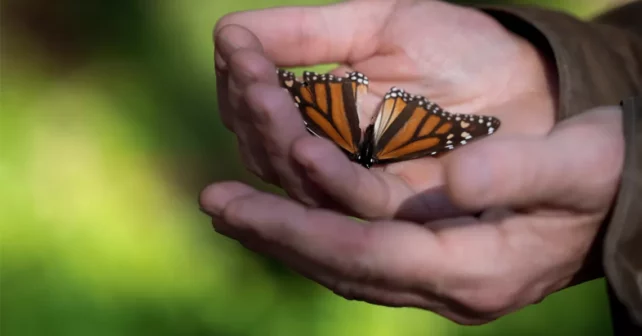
(366, 156)
(405, 127)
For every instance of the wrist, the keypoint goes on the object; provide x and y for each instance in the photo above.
(533, 73)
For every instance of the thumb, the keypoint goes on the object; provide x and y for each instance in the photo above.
(298, 36)
(577, 165)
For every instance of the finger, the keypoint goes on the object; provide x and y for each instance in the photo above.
(279, 125)
(250, 143)
(228, 91)
(577, 165)
(391, 263)
(215, 197)
(373, 193)
(383, 295)
(365, 193)
(229, 105)
(230, 39)
(245, 67)
(343, 32)
(378, 295)
(399, 253)
(248, 67)
(386, 295)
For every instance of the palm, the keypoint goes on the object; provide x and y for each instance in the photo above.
(452, 73)
(469, 72)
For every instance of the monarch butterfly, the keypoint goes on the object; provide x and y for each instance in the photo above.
(405, 127)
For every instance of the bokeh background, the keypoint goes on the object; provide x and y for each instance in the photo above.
(108, 131)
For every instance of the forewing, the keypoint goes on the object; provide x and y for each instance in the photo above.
(409, 127)
(329, 105)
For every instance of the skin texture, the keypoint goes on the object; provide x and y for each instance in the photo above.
(542, 189)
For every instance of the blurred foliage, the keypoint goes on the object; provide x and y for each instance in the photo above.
(108, 131)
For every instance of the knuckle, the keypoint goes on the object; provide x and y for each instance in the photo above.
(224, 22)
(273, 148)
(234, 211)
(231, 28)
(250, 66)
(263, 119)
(301, 190)
(358, 262)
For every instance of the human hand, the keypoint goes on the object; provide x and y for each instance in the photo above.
(549, 195)
(456, 56)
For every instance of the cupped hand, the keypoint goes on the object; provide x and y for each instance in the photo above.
(550, 194)
(458, 57)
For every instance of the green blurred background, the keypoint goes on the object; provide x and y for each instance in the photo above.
(108, 131)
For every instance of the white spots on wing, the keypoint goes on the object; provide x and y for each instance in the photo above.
(450, 136)
(463, 142)
(464, 124)
(357, 77)
(491, 130)
(466, 135)
(396, 92)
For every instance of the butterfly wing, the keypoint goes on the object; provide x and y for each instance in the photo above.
(409, 127)
(329, 105)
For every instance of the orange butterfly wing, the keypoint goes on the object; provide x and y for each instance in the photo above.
(406, 126)
(409, 127)
(328, 105)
